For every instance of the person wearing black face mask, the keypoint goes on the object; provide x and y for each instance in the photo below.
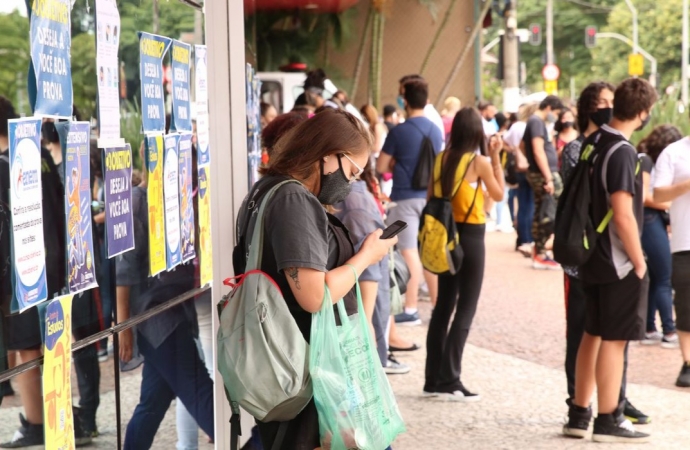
(306, 248)
(615, 277)
(566, 129)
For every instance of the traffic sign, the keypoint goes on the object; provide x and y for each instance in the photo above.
(550, 72)
(635, 65)
(551, 87)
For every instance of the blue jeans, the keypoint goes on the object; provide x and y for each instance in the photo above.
(174, 369)
(656, 246)
(525, 214)
(512, 195)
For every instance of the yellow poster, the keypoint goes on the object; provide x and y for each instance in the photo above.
(57, 371)
(154, 159)
(205, 247)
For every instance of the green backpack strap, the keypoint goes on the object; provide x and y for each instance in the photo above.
(609, 215)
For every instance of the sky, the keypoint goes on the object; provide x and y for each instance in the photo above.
(7, 6)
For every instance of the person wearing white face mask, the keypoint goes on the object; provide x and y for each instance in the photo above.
(543, 177)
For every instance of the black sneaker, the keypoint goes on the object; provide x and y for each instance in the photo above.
(457, 393)
(579, 419)
(634, 415)
(27, 435)
(608, 428)
(82, 437)
(684, 377)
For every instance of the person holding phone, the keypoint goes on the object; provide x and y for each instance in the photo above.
(465, 167)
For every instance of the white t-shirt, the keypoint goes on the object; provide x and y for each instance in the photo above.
(433, 115)
(515, 134)
(673, 167)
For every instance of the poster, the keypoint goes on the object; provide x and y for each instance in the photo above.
(186, 198)
(57, 372)
(152, 48)
(201, 89)
(81, 270)
(26, 203)
(253, 94)
(117, 177)
(107, 44)
(154, 193)
(171, 201)
(50, 81)
(205, 247)
(181, 107)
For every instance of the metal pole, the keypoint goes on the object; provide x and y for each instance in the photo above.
(549, 32)
(633, 10)
(684, 56)
(641, 51)
(511, 72)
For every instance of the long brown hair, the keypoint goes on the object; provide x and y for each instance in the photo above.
(466, 135)
(371, 116)
(330, 131)
(661, 137)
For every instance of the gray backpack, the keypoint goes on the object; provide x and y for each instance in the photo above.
(262, 355)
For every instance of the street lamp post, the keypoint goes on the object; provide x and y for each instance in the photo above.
(641, 51)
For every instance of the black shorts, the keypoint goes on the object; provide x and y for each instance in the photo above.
(681, 284)
(618, 311)
(24, 330)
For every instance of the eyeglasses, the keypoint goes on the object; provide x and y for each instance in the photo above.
(360, 171)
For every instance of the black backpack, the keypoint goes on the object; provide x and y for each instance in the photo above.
(575, 234)
(425, 163)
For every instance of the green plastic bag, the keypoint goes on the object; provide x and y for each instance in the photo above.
(355, 403)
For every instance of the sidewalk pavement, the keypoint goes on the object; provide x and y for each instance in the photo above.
(522, 407)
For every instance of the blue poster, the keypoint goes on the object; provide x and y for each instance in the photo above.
(181, 109)
(186, 198)
(51, 78)
(152, 48)
(171, 200)
(26, 204)
(117, 180)
(81, 270)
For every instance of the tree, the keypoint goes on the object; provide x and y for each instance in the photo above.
(15, 55)
(659, 34)
(84, 74)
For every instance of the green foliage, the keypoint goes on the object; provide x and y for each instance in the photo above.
(665, 112)
(130, 128)
(659, 33)
(84, 74)
(15, 56)
(282, 37)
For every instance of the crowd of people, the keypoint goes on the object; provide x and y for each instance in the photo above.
(489, 160)
(358, 173)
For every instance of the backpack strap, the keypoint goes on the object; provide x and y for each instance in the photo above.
(438, 188)
(256, 243)
(476, 192)
(609, 214)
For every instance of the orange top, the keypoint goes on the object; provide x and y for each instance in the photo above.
(464, 191)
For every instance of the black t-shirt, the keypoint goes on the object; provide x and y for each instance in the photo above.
(615, 168)
(646, 163)
(536, 128)
(297, 233)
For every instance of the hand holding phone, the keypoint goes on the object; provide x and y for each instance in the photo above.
(394, 229)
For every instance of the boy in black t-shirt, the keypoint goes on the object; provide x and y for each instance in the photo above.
(615, 277)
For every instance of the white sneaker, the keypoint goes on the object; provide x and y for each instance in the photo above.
(393, 367)
(652, 338)
(670, 341)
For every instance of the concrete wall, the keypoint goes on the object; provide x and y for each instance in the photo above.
(408, 33)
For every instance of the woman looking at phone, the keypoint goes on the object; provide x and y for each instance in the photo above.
(305, 248)
(465, 166)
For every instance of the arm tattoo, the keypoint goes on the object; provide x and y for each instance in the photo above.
(293, 272)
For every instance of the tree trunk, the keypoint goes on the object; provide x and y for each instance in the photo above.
(374, 59)
(437, 36)
(361, 54)
(379, 64)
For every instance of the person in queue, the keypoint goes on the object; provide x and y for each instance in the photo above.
(309, 247)
(465, 165)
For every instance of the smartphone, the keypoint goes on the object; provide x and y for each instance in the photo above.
(394, 229)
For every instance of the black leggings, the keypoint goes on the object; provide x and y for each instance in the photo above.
(445, 346)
